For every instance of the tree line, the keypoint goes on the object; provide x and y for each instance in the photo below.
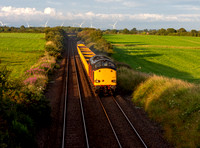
(24, 29)
(162, 31)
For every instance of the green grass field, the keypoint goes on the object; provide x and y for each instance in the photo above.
(19, 51)
(171, 56)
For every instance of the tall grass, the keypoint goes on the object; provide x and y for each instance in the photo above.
(176, 105)
(173, 103)
(128, 80)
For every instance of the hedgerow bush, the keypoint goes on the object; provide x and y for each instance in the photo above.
(36, 78)
(55, 41)
(17, 128)
(53, 51)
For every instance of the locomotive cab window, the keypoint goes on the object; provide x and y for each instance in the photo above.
(105, 63)
(110, 64)
(97, 65)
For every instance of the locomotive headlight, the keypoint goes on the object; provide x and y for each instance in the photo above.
(97, 81)
(114, 81)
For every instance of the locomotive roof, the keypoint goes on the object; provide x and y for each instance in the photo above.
(98, 58)
(80, 42)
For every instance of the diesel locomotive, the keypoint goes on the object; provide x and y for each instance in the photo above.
(100, 69)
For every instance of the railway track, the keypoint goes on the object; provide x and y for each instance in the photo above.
(123, 129)
(74, 129)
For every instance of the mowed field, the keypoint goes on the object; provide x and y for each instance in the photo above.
(19, 51)
(171, 56)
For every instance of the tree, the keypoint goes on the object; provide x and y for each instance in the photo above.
(133, 31)
(194, 33)
(146, 30)
(153, 32)
(22, 27)
(7, 29)
(114, 31)
(182, 30)
(162, 32)
(171, 30)
(125, 31)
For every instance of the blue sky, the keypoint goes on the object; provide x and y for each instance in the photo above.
(142, 14)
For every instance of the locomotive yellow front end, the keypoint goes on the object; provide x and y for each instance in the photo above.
(105, 79)
(103, 73)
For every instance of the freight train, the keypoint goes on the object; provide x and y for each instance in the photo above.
(100, 69)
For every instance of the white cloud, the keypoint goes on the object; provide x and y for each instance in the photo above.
(187, 7)
(50, 11)
(12, 14)
(122, 2)
(146, 17)
(8, 11)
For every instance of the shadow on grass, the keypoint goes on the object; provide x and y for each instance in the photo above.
(130, 43)
(140, 63)
(33, 51)
(7, 61)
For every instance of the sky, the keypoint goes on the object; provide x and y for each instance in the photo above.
(103, 14)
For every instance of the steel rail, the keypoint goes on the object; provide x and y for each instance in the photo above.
(81, 104)
(110, 123)
(130, 122)
(65, 103)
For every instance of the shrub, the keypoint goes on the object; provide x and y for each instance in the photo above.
(36, 78)
(128, 80)
(175, 105)
(37, 107)
(52, 50)
(55, 41)
(21, 112)
(21, 137)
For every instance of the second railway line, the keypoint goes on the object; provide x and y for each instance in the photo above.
(73, 120)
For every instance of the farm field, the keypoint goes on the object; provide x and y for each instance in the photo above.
(19, 51)
(171, 56)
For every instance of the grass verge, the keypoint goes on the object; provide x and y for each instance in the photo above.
(173, 103)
